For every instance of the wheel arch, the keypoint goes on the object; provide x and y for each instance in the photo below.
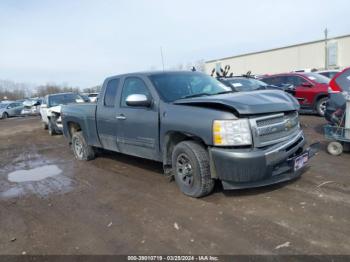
(318, 97)
(72, 127)
(171, 139)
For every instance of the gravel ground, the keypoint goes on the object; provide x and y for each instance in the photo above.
(118, 204)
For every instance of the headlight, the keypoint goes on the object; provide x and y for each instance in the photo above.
(231, 132)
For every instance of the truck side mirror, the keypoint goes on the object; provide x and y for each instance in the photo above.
(138, 100)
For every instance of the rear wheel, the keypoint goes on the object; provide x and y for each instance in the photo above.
(81, 150)
(335, 148)
(5, 115)
(321, 106)
(190, 162)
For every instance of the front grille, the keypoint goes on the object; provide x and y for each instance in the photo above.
(272, 129)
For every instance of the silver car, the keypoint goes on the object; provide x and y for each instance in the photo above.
(10, 109)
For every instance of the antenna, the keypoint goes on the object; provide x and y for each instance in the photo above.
(162, 57)
(326, 48)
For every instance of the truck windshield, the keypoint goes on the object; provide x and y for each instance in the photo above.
(174, 86)
(63, 99)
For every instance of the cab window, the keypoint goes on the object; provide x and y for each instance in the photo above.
(111, 92)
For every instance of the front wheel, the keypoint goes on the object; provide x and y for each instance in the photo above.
(81, 150)
(51, 128)
(321, 106)
(190, 162)
(44, 125)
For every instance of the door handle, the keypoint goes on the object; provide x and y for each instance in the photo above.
(120, 117)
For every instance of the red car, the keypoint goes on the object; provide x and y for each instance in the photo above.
(311, 89)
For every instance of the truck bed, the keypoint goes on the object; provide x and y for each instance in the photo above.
(85, 115)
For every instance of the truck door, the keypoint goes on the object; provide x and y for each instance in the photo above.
(138, 126)
(106, 121)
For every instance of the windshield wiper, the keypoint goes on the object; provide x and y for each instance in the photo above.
(224, 92)
(196, 95)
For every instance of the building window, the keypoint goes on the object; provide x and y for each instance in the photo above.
(332, 54)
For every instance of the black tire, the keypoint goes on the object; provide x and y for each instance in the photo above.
(44, 125)
(346, 147)
(193, 180)
(321, 106)
(335, 148)
(82, 151)
(51, 128)
(5, 115)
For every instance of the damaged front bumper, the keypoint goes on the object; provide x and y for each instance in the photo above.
(248, 168)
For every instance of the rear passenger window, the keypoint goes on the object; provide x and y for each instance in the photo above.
(111, 92)
(295, 80)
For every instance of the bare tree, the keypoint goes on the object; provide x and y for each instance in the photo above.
(94, 89)
(13, 91)
(53, 89)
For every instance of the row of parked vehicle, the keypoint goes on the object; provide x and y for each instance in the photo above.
(309, 88)
(20, 107)
(36, 106)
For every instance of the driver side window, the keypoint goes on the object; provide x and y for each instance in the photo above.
(133, 85)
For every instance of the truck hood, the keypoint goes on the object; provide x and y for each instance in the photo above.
(56, 109)
(247, 103)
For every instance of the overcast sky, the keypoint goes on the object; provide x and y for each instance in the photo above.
(82, 42)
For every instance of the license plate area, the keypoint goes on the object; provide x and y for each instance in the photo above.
(300, 161)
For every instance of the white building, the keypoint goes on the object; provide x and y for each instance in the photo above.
(311, 55)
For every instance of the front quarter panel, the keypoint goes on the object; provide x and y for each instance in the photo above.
(190, 120)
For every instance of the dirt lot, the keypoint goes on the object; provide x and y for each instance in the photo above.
(123, 205)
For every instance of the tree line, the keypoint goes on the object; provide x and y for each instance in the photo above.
(10, 90)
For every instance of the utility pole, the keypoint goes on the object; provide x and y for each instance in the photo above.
(326, 48)
(161, 55)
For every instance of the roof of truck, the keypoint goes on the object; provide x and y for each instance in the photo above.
(148, 73)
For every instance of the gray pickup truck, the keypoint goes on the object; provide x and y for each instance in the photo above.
(197, 127)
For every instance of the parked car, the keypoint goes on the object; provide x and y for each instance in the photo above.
(311, 89)
(50, 110)
(197, 127)
(328, 73)
(339, 88)
(93, 97)
(241, 83)
(9, 109)
(31, 106)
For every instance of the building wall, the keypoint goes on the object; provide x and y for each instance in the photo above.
(308, 55)
(344, 52)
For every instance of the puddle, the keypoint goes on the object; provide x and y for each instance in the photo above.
(35, 174)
